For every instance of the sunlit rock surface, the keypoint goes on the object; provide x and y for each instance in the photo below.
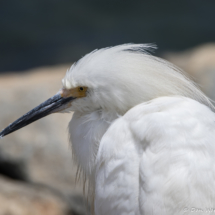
(39, 153)
(199, 62)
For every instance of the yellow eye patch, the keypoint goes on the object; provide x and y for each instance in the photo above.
(77, 92)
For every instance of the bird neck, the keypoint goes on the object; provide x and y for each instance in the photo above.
(86, 131)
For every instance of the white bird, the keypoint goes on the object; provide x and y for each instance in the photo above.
(141, 132)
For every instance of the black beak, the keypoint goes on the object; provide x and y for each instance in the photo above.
(52, 105)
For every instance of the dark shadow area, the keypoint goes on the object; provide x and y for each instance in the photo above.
(45, 32)
(13, 168)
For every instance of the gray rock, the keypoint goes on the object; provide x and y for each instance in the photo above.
(41, 150)
(18, 198)
(199, 62)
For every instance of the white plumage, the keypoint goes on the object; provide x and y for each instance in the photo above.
(157, 159)
(143, 135)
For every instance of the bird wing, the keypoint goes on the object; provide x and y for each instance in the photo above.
(158, 159)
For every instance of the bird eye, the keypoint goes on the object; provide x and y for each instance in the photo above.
(81, 88)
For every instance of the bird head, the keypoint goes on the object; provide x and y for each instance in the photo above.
(114, 80)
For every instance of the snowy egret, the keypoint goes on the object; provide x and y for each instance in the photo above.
(141, 132)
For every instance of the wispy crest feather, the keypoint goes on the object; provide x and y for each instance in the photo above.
(132, 69)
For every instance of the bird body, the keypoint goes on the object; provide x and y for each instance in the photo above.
(142, 132)
(157, 159)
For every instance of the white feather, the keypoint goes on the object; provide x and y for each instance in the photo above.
(143, 135)
(158, 159)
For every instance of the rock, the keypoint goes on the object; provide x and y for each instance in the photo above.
(41, 151)
(18, 198)
(200, 64)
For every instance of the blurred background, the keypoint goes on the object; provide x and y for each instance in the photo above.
(39, 41)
